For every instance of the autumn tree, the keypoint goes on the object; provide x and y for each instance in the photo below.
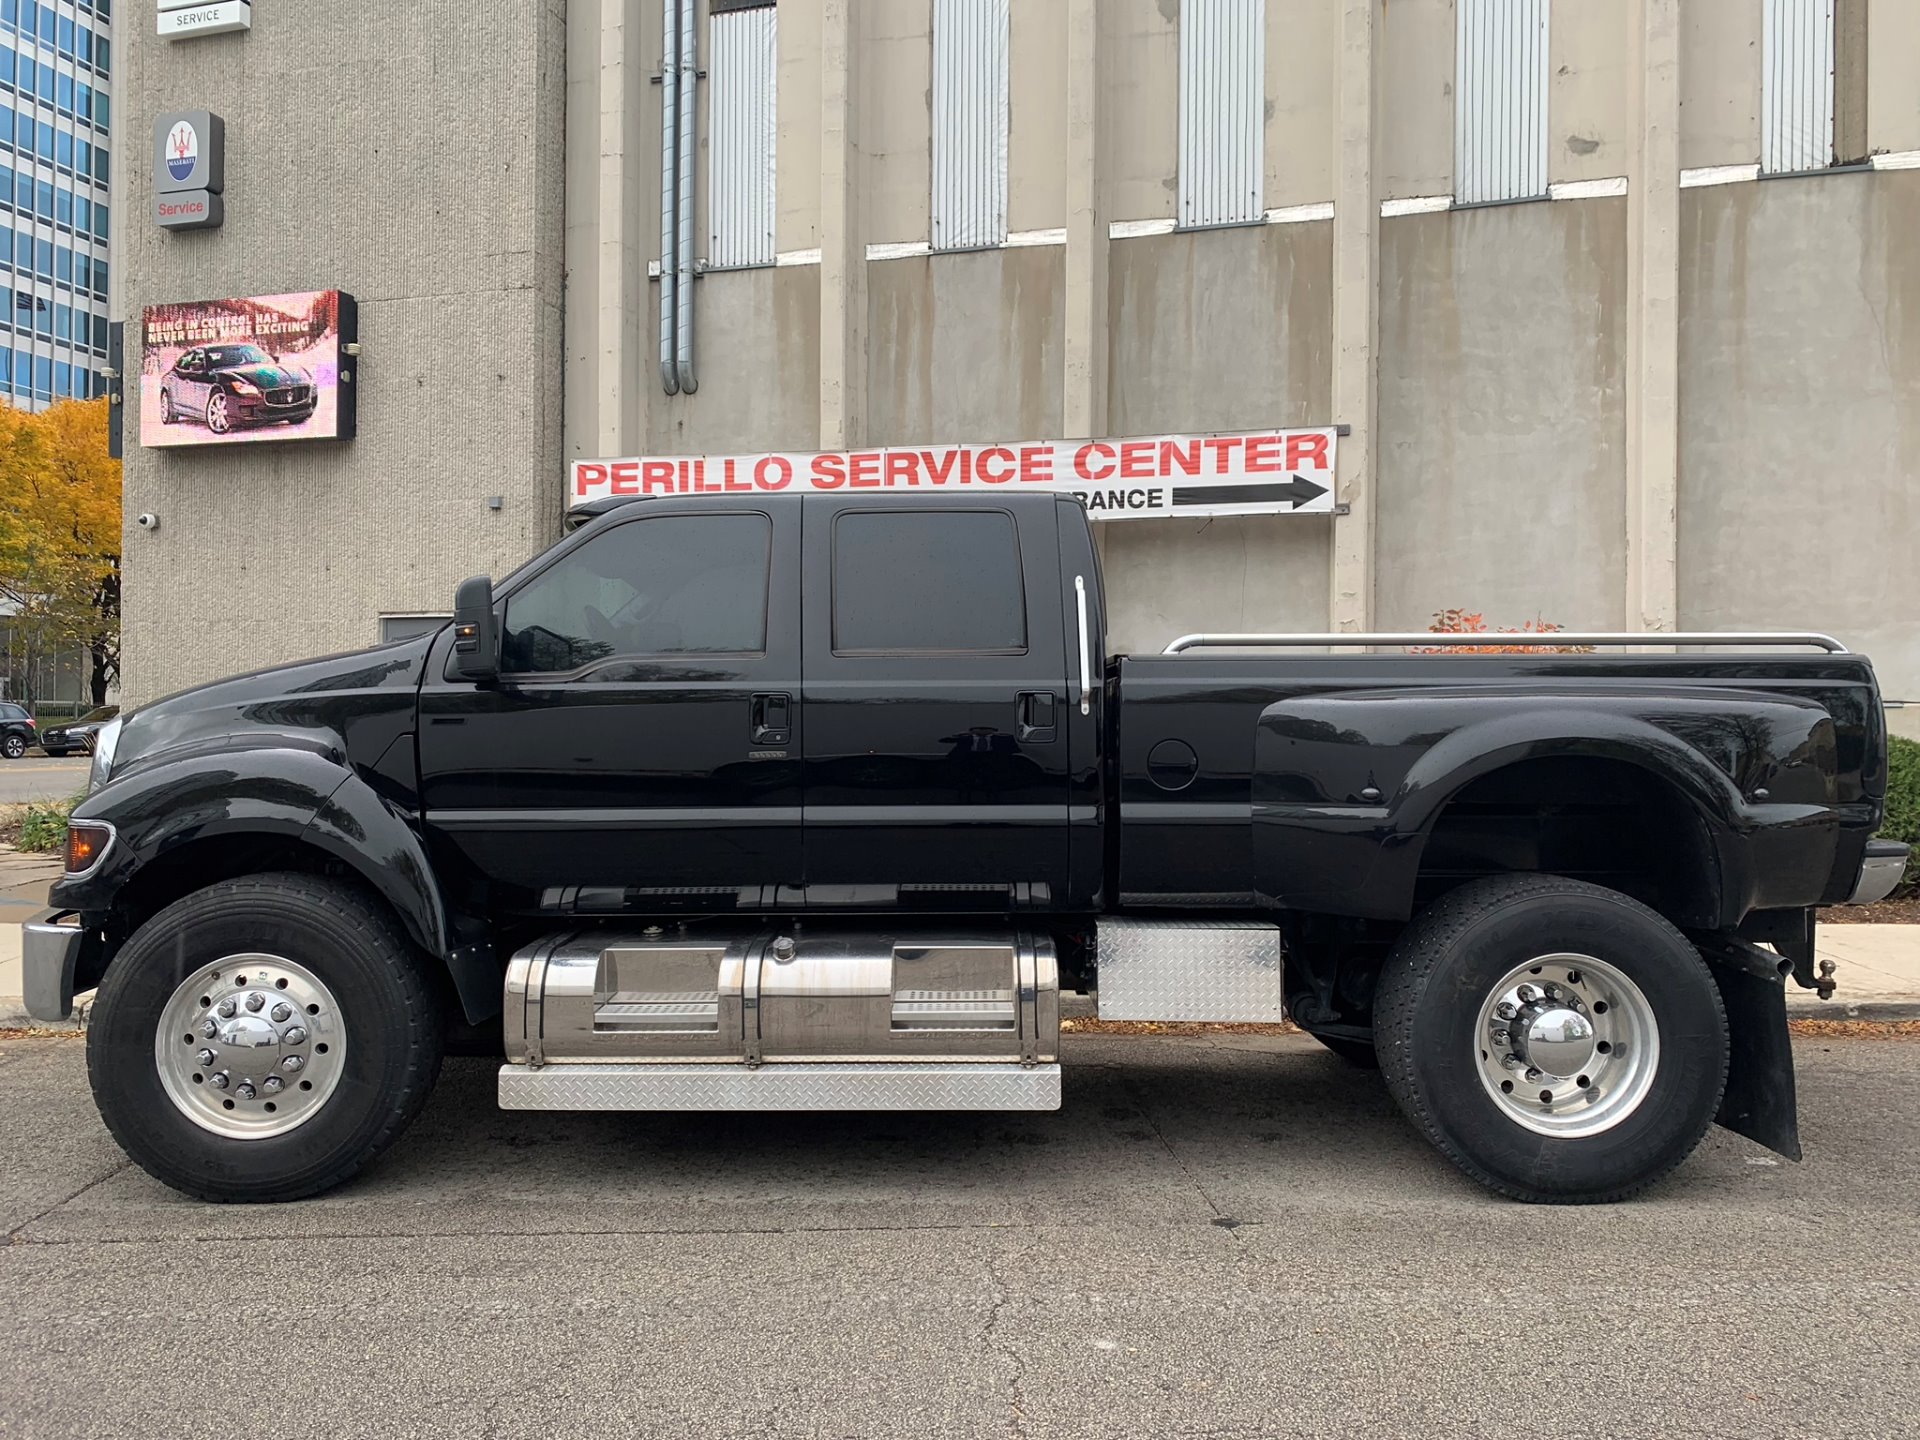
(60, 533)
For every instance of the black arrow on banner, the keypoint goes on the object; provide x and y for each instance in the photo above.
(1297, 488)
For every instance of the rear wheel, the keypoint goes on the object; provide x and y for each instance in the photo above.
(262, 1039)
(167, 416)
(14, 746)
(1557, 1041)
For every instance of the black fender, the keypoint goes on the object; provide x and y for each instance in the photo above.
(292, 791)
(1348, 787)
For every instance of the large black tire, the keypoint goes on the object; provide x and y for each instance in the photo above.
(391, 1025)
(1427, 1012)
(14, 746)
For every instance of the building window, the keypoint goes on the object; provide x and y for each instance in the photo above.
(1500, 101)
(1223, 49)
(970, 122)
(744, 60)
(1796, 85)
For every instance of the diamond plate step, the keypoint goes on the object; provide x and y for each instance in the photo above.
(888, 1086)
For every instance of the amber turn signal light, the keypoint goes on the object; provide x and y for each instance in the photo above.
(85, 845)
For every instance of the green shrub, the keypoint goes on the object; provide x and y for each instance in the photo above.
(43, 825)
(1903, 800)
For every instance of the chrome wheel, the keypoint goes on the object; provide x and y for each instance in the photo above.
(250, 1046)
(1568, 1045)
(219, 419)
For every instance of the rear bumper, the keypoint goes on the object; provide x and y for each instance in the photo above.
(50, 951)
(1880, 871)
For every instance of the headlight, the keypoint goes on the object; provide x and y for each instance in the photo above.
(105, 740)
(244, 387)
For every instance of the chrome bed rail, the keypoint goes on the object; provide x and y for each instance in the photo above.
(1550, 640)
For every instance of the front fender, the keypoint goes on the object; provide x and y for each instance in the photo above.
(292, 794)
(1348, 787)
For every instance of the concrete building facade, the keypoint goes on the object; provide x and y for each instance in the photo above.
(1612, 295)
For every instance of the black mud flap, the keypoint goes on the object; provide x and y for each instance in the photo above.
(1760, 1102)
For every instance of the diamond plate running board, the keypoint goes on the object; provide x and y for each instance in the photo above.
(870, 1086)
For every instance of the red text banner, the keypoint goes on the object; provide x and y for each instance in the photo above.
(1256, 472)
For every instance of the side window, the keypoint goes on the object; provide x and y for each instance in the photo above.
(676, 585)
(927, 580)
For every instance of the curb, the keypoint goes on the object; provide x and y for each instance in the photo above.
(14, 1016)
(1872, 1010)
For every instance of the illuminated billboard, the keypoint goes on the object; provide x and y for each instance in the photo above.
(262, 367)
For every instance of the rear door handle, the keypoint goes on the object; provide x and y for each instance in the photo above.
(771, 719)
(1038, 709)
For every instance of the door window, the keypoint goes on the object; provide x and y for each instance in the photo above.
(927, 581)
(676, 585)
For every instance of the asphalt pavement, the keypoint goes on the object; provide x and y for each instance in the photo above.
(41, 777)
(1222, 1235)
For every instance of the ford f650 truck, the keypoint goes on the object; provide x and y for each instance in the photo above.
(818, 802)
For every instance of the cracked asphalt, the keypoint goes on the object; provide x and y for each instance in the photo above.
(1221, 1235)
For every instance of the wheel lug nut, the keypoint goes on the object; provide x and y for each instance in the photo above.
(295, 1036)
(218, 1080)
(1532, 1075)
(272, 1084)
(256, 1000)
(1501, 1036)
(208, 1029)
(206, 1057)
(1526, 992)
(292, 1062)
(1505, 1010)
(1512, 1062)
(227, 1008)
(281, 1013)
(245, 1092)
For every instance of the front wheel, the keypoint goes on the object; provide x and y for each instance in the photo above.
(1557, 1041)
(262, 1039)
(219, 413)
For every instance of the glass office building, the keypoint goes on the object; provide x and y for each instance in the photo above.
(55, 60)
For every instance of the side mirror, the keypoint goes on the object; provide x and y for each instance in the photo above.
(476, 638)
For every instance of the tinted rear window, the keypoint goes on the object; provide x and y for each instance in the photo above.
(927, 580)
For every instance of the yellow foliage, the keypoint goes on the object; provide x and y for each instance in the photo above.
(60, 527)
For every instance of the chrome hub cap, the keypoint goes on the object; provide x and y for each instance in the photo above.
(250, 1046)
(1567, 1045)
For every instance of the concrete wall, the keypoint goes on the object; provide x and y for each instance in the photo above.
(1502, 414)
(965, 347)
(417, 164)
(1800, 413)
(1218, 330)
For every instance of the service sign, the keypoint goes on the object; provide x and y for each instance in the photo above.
(1257, 472)
(183, 19)
(262, 367)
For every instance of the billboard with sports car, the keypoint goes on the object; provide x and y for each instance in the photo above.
(262, 367)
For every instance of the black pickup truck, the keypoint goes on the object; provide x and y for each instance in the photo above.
(818, 803)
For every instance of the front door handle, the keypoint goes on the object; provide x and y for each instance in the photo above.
(1038, 709)
(771, 719)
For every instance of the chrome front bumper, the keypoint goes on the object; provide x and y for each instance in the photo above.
(49, 956)
(1886, 862)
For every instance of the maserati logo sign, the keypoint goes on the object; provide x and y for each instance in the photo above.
(183, 150)
(189, 170)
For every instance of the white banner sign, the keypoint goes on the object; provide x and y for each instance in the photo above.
(1256, 472)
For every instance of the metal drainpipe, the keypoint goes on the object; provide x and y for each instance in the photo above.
(669, 220)
(683, 309)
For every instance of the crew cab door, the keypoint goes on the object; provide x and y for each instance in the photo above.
(936, 701)
(635, 751)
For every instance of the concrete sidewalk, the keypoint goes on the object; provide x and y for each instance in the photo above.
(1878, 965)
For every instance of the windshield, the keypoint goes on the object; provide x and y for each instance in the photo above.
(95, 717)
(223, 355)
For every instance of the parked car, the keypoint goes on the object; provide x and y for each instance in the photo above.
(77, 738)
(224, 386)
(682, 842)
(17, 734)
